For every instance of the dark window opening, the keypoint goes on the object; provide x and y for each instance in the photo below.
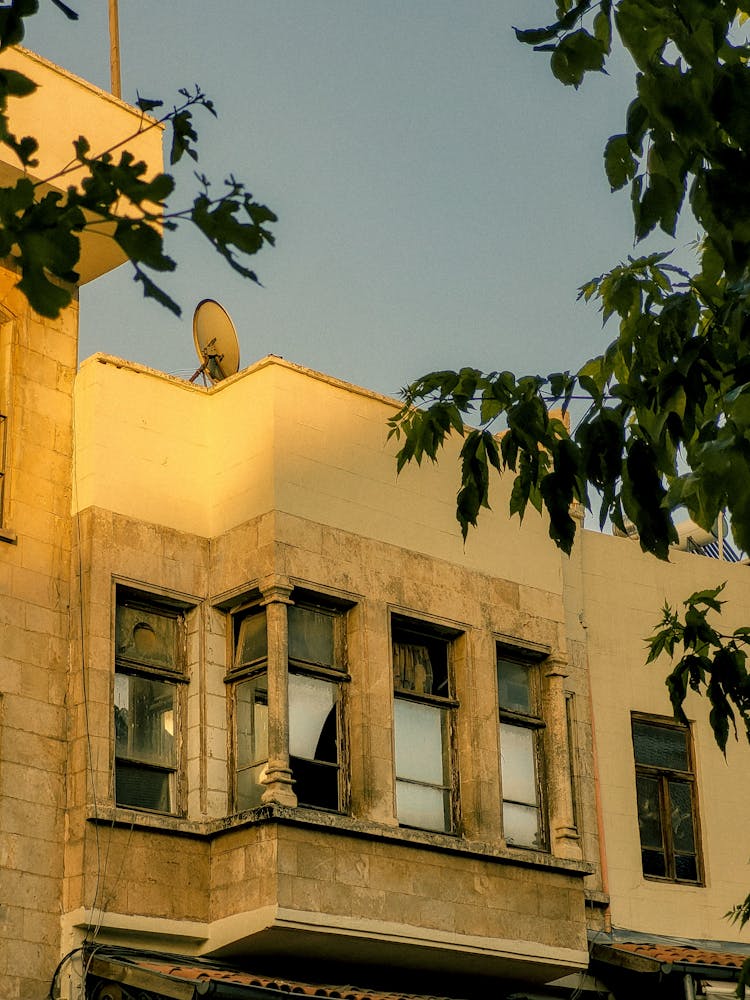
(665, 795)
(149, 657)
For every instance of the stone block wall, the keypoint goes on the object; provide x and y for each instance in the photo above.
(37, 367)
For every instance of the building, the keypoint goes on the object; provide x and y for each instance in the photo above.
(265, 720)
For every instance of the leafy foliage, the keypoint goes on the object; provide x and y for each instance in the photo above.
(40, 230)
(711, 663)
(667, 403)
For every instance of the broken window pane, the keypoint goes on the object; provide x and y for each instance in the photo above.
(314, 740)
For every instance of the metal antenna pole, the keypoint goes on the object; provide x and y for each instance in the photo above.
(114, 48)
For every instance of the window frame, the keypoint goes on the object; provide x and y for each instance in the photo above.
(336, 610)
(664, 775)
(176, 675)
(532, 721)
(236, 675)
(406, 625)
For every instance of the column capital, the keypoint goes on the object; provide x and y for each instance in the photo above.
(556, 665)
(276, 590)
(578, 511)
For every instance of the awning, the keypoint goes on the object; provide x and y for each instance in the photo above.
(645, 957)
(116, 973)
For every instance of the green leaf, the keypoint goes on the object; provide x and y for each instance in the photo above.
(575, 55)
(619, 162)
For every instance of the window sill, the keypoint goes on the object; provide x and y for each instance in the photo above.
(6, 535)
(441, 842)
(665, 880)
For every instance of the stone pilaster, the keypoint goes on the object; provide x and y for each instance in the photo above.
(564, 839)
(278, 778)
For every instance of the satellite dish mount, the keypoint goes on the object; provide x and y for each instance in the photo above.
(215, 342)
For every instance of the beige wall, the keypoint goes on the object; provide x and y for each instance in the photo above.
(283, 474)
(37, 366)
(277, 436)
(61, 109)
(624, 593)
(377, 577)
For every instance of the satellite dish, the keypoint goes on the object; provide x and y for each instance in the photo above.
(215, 341)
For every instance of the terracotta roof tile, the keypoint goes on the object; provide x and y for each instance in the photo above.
(682, 954)
(197, 973)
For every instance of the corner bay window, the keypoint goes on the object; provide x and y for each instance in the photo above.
(520, 752)
(317, 667)
(149, 667)
(423, 711)
(665, 789)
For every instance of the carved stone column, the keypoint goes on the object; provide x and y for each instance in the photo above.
(565, 842)
(278, 777)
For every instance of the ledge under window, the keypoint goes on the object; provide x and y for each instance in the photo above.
(440, 842)
(6, 535)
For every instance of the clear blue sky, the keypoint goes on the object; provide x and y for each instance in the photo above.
(441, 196)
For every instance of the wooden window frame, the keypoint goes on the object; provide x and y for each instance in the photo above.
(125, 665)
(406, 625)
(663, 775)
(337, 611)
(534, 722)
(339, 675)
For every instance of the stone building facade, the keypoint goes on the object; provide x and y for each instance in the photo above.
(263, 713)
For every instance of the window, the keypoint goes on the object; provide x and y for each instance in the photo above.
(573, 765)
(317, 668)
(665, 790)
(149, 667)
(520, 752)
(249, 674)
(423, 721)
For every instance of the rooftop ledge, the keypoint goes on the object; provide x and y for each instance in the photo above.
(61, 109)
(423, 839)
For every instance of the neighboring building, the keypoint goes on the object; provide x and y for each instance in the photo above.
(266, 721)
